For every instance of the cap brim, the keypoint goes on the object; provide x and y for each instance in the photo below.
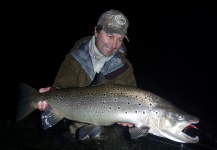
(116, 31)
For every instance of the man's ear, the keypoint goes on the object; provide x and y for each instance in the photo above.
(95, 32)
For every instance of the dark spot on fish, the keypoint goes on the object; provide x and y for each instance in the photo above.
(139, 104)
(150, 104)
(156, 112)
(127, 96)
(111, 93)
(104, 95)
(136, 111)
(128, 103)
(96, 111)
(67, 103)
(84, 107)
(91, 93)
(126, 112)
(110, 107)
(78, 103)
(102, 112)
(93, 101)
(143, 112)
(115, 100)
(72, 107)
(119, 107)
(103, 102)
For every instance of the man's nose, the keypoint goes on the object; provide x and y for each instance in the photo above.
(114, 44)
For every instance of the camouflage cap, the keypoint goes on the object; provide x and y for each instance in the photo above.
(113, 21)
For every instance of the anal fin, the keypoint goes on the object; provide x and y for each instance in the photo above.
(89, 131)
(136, 132)
(49, 118)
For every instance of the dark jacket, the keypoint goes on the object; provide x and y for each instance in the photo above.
(77, 70)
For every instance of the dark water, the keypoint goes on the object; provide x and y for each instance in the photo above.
(172, 49)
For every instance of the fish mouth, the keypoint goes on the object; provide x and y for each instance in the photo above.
(190, 132)
(185, 133)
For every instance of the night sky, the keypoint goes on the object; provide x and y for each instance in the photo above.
(172, 48)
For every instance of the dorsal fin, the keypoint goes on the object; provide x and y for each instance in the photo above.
(99, 79)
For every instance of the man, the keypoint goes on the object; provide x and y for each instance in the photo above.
(104, 52)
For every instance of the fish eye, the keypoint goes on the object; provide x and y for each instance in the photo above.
(180, 117)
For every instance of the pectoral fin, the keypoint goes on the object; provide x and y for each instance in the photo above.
(89, 131)
(136, 132)
(49, 118)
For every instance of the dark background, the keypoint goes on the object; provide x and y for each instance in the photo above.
(172, 48)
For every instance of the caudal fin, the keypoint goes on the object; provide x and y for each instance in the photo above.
(26, 102)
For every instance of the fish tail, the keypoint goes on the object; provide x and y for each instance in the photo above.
(26, 102)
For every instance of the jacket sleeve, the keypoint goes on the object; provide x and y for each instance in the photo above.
(127, 77)
(70, 74)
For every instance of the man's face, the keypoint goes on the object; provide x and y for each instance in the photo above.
(107, 43)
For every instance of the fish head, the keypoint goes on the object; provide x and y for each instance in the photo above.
(171, 122)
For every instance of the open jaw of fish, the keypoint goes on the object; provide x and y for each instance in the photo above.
(173, 124)
(107, 104)
(178, 134)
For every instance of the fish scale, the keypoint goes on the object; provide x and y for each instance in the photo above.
(114, 103)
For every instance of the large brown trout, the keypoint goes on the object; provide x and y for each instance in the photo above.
(107, 104)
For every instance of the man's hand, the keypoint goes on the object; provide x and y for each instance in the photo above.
(126, 124)
(43, 104)
(42, 90)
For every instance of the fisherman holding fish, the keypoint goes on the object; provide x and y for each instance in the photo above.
(104, 52)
